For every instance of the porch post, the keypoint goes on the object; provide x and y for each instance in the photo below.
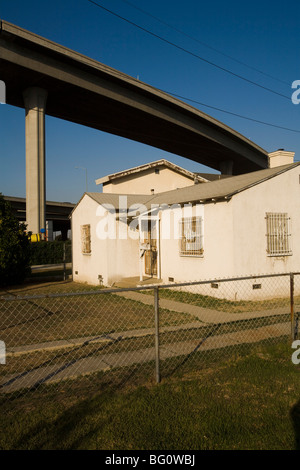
(158, 248)
(140, 251)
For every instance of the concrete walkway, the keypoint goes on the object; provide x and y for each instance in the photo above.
(203, 314)
(49, 267)
(105, 362)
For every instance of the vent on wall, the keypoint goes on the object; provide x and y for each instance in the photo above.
(256, 286)
(171, 279)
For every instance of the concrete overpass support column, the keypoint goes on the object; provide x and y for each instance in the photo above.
(226, 167)
(35, 103)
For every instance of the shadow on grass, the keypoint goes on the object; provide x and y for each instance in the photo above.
(212, 332)
(61, 368)
(78, 425)
(295, 417)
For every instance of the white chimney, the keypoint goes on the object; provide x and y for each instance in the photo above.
(280, 157)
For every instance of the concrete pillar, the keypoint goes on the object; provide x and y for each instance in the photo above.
(226, 167)
(35, 103)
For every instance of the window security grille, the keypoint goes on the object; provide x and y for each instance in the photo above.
(191, 236)
(86, 239)
(278, 234)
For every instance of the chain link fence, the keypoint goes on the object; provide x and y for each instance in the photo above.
(51, 260)
(92, 335)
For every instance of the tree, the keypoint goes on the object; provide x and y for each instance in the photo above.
(14, 247)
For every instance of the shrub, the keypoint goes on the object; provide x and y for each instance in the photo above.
(14, 247)
(49, 252)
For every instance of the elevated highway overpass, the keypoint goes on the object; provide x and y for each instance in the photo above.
(46, 78)
(56, 212)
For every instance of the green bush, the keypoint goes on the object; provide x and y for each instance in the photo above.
(14, 247)
(49, 252)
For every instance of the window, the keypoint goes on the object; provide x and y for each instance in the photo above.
(191, 236)
(278, 234)
(86, 239)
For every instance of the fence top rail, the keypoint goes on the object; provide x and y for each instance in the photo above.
(14, 297)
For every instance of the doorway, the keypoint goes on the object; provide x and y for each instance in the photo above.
(149, 246)
(151, 252)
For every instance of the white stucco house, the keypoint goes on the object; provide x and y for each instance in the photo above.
(150, 178)
(237, 226)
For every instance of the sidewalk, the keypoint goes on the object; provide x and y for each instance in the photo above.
(203, 314)
(49, 267)
(105, 362)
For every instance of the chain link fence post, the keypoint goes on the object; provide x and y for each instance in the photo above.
(156, 320)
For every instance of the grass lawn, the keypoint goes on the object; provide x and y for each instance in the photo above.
(42, 319)
(244, 397)
(249, 402)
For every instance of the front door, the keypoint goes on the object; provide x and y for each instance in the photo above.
(151, 252)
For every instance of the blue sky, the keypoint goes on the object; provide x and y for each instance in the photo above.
(263, 35)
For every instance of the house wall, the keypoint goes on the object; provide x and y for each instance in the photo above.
(123, 255)
(112, 257)
(87, 267)
(217, 259)
(143, 182)
(279, 194)
(235, 243)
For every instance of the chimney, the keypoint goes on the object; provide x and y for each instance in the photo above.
(280, 157)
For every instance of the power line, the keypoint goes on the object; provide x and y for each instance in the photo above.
(229, 112)
(187, 51)
(203, 43)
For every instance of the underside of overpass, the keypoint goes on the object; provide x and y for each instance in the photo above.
(46, 78)
(56, 212)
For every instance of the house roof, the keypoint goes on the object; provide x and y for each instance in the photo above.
(116, 200)
(212, 176)
(210, 192)
(220, 189)
(147, 166)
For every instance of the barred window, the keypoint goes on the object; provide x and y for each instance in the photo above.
(86, 239)
(191, 236)
(278, 234)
